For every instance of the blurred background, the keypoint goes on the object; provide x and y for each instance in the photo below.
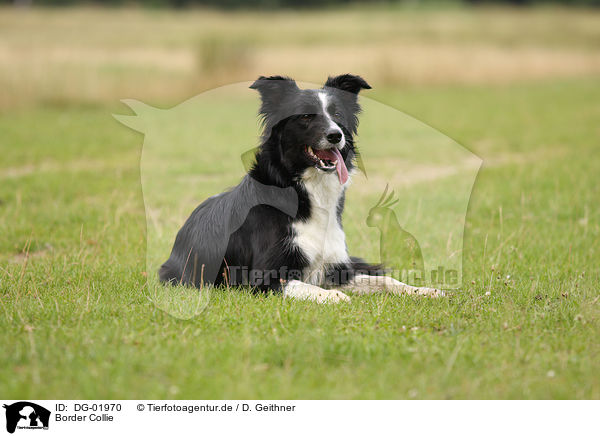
(164, 51)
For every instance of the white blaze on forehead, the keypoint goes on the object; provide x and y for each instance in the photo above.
(324, 98)
(324, 103)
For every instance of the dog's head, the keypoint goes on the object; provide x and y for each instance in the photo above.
(311, 127)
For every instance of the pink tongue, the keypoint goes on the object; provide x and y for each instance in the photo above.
(334, 154)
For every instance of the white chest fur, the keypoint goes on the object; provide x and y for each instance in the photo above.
(321, 237)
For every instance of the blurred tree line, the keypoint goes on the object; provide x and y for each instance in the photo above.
(293, 4)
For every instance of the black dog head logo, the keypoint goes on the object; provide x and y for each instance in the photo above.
(26, 414)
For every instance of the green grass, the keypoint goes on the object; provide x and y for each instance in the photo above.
(76, 321)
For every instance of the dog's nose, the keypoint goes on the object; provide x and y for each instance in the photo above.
(334, 137)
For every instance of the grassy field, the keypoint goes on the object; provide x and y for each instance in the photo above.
(74, 314)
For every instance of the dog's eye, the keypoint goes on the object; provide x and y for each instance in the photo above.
(306, 117)
(337, 114)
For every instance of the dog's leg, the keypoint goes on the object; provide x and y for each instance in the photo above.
(304, 291)
(365, 284)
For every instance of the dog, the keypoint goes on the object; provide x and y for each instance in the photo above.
(281, 228)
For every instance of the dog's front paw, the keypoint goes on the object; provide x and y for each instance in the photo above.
(304, 291)
(397, 287)
(429, 292)
(331, 296)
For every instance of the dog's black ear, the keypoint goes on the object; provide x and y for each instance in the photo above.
(273, 89)
(348, 83)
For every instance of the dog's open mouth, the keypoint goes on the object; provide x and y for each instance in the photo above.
(328, 161)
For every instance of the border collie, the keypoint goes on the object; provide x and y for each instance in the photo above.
(281, 229)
